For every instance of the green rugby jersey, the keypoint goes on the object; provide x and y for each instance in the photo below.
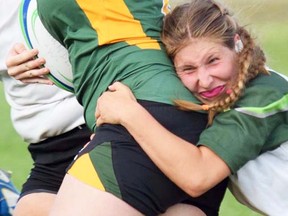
(111, 41)
(257, 123)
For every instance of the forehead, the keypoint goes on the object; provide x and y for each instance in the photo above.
(200, 47)
(207, 43)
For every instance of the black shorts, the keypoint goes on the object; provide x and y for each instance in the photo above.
(125, 170)
(51, 158)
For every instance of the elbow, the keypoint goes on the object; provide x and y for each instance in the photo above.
(196, 188)
(194, 192)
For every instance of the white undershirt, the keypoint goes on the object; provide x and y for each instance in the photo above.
(38, 111)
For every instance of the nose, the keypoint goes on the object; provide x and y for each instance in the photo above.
(204, 78)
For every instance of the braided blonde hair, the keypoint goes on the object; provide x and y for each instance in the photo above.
(209, 19)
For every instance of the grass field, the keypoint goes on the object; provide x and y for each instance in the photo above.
(268, 20)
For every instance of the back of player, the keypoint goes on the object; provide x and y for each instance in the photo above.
(120, 41)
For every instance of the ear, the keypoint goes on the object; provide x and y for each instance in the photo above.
(238, 44)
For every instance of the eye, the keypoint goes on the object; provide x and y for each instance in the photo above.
(213, 60)
(185, 70)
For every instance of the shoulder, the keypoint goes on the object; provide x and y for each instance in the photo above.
(264, 90)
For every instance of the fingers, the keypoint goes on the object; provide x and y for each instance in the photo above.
(17, 48)
(42, 80)
(32, 64)
(99, 121)
(97, 112)
(23, 65)
(122, 88)
(98, 118)
(113, 104)
(23, 62)
(19, 55)
(117, 86)
(29, 72)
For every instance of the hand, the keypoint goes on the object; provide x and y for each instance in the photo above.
(114, 104)
(23, 66)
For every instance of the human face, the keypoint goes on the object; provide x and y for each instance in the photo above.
(206, 68)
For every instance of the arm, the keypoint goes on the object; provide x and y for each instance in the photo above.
(23, 66)
(193, 169)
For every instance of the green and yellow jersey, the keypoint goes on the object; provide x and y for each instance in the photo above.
(111, 41)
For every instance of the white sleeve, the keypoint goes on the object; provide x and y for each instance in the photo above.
(38, 111)
(262, 184)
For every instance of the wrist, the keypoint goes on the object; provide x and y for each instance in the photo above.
(133, 112)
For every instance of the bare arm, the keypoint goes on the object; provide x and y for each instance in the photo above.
(22, 65)
(194, 169)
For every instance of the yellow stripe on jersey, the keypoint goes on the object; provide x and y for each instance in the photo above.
(113, 22)
(166, 7)
(84, 170)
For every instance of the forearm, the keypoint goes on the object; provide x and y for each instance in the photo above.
(194, 169)
(185, 164)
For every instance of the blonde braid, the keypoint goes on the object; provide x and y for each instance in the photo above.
(246, 72)
(208, 19)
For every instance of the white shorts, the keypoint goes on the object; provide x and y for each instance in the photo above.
(262, 184)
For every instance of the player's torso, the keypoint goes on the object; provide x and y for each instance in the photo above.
(135, 54)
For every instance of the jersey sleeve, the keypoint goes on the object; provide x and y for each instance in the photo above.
(246, 130)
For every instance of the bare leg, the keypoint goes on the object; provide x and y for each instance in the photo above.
(183, 210)
(77, 198)
(35, 204)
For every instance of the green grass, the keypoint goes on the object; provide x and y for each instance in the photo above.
(13, 150)
(268, 22)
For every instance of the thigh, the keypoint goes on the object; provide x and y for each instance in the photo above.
(35, 204)
(183, 210)
(76, 198)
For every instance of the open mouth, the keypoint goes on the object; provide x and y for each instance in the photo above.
(212, 93)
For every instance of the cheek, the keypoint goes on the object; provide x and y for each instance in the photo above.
(224, 72)
(189, 82)
(231, 74)
(230, 69)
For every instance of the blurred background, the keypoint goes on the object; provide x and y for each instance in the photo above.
(268, 22)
